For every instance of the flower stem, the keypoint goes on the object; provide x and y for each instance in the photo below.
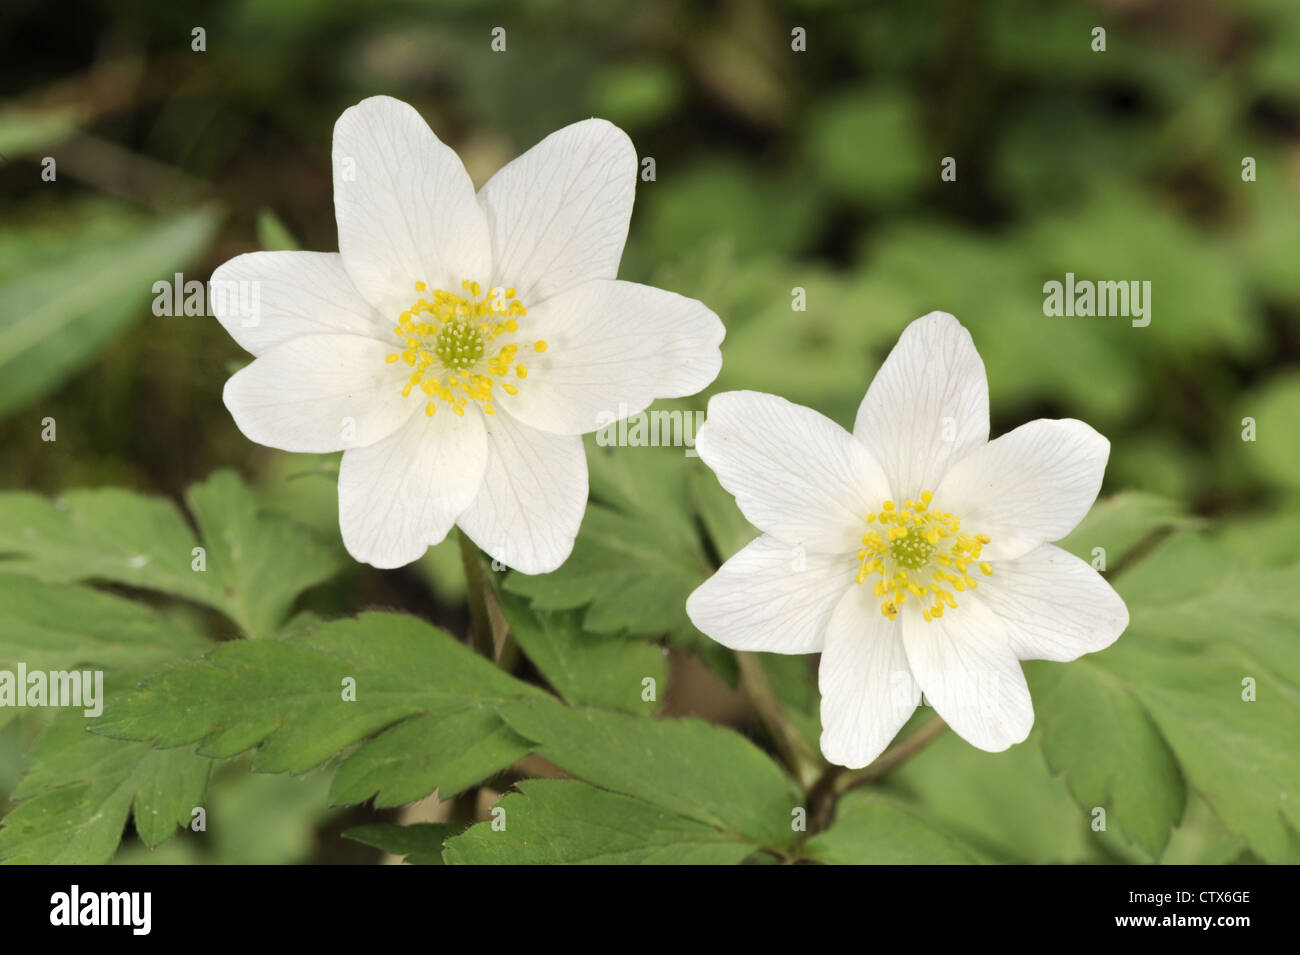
(476, 589)
(893, 757)
(794, 749)
(835, 781)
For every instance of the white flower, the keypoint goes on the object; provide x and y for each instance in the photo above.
(458, 345)
(911, 553)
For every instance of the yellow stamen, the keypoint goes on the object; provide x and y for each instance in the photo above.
(910, 548)
(454, 343)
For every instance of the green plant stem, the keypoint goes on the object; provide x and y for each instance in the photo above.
(476, 588)
(892, 758)
(794, 749)
(836, 781)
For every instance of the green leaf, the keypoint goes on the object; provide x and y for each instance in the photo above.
(1004, 807)
(550, 821)
(1119, 523)
(1202, 626)
(55, 317)
(703, 772)
(1163, 709)
(872, 829)
(595, 669)
(420, 842)
(638, 554)
(1239, 756)
(81, 788)
(105, 534)
(55, 626)
(1111, 752)
(262, 561)
(727, 528)
(286, 698)
(256, 561)
(446, 750)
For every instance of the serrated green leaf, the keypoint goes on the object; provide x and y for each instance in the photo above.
(704, 772)
(449, 751)
(256, 561)
(286, 698)
(552, 821)
(262, 561)
(105, 534)
(872, 829)
(604, 670)
(81, 788)
(55, 626)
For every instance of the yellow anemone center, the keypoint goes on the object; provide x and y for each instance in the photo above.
(921, 553)
(462, 346)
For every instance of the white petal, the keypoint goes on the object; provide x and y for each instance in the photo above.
(927, 407)
(405, 207)
(559, 213)
(402, 495)
(969, 674)
(266, 298)
(1031, 485)
(534, 494)
(794, 473)
(1054, 605)
(320, 393)
(867, 687)
(771, 597)
(612, 348)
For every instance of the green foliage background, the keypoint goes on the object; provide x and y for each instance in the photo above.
(775, 169)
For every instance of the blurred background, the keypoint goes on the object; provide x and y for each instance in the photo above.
(775, 169)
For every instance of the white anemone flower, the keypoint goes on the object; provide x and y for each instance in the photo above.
(457, 346)
(913, 553)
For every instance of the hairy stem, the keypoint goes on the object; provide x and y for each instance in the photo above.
(789, 742)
